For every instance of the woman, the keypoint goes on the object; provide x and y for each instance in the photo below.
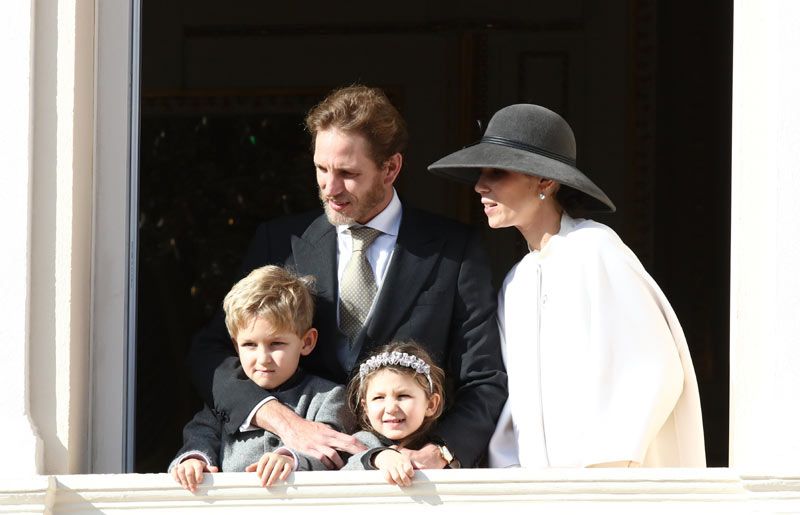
(599, 372)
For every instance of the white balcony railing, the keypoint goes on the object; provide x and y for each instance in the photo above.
(458, 491)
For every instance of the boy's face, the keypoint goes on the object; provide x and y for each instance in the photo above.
(270, 356)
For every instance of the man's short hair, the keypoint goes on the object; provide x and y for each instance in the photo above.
(363, 110)
(274, 294)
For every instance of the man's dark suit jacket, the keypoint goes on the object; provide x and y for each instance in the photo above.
(437, 291)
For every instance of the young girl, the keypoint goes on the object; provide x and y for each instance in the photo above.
(397, 396)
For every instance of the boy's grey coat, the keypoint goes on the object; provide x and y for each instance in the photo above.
(311, 397)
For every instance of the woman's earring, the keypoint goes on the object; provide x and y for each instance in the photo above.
(541, 196)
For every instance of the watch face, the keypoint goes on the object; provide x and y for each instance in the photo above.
(446, 454)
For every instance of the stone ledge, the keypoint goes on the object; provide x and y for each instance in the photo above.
(462, 491)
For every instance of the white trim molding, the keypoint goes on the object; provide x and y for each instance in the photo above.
(110, 416)
(463, 491)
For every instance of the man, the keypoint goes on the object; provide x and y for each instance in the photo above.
(384, 271)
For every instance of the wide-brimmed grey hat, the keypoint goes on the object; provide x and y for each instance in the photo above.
(529, 139)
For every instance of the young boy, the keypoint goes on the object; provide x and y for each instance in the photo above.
(268, 315)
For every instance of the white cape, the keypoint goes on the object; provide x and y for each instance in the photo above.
(598, 367)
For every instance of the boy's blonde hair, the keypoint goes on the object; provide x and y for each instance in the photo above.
(272, 293)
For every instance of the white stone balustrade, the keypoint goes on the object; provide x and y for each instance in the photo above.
(637, 491)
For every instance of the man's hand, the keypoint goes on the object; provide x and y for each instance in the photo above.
(311, 438)
(396, 467)
(272, 466)
(189, 473)
(429, 457)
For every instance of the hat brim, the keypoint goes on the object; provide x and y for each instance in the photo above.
(465, 166)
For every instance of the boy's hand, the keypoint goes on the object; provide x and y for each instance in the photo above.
(272, 466)
(396, 467)
(310, 438)
(189, 473)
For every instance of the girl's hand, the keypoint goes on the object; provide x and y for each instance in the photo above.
(189, 473)
(272, 466)
(396, 467)
(429, 457)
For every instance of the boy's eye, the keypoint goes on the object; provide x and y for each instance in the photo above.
(247, 344)
(278, 344)
(377, 397)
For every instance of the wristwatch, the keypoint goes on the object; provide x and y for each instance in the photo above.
(448, 457)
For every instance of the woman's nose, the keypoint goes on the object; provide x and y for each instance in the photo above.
(480, 186)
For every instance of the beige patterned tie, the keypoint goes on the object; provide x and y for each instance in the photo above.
(358, 286)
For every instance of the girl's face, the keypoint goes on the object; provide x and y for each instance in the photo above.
(396, 405)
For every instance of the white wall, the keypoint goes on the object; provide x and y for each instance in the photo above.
(765, 240)
(61, 223)
(23, 447)
(46, 134)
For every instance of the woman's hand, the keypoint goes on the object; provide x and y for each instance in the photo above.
(272, 466)
(396, 467)
(189, 472)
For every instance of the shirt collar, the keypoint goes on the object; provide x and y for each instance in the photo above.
(387, 221)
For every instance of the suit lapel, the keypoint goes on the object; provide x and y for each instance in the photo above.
(415, 255)
(315, 254)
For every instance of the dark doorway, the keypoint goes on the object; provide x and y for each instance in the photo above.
(225, 87)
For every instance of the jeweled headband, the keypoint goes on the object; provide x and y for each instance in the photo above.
(396, 358)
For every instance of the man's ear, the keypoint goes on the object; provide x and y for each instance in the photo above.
(309, 342)
(433, 404)
(392, 168)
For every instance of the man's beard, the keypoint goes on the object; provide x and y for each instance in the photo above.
(360, 208)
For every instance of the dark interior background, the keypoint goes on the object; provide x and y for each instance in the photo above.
(225, 86)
